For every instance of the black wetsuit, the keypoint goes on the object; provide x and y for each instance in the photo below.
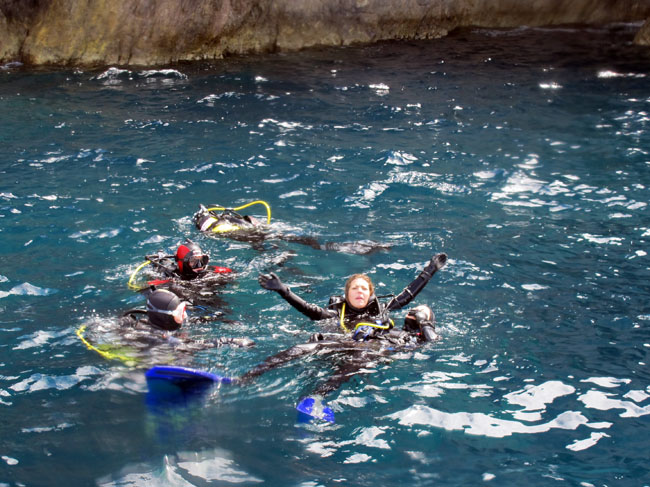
(167, 266)
(247, 229)
(139, 331)
(234, 225)
(355, 356)
(196, 288)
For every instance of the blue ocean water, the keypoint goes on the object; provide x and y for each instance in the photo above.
(524, 155)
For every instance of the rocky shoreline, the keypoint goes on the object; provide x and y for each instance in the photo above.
(159, 32)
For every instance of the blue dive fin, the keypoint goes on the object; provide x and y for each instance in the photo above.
(314, 407)
(184, 375)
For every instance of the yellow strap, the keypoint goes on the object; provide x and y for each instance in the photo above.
(258, 202)
(374, 325)
(130, 283)
(345, 328)
(104, 353)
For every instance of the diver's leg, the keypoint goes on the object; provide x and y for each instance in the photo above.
(314, 406)
(280, 358)
(358, 247)
(303, 240)
(348, 369)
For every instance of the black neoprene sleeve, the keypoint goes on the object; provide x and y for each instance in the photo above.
(310, 310)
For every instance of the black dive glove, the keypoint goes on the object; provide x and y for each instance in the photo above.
(436, 263)
(273, 283)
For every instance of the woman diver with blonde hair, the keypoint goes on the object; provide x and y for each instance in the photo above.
(363, 319)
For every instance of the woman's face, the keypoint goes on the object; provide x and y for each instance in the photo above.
(358, 293)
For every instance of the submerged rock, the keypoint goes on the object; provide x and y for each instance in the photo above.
(154, 32)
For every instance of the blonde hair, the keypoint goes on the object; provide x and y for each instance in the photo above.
(353, 277)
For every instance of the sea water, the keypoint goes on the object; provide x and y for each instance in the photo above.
(524, 155)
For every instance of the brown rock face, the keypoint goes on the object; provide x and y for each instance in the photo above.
(643, 36)
(153, 32)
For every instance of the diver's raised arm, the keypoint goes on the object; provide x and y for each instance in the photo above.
(436, 263)
(273, 283)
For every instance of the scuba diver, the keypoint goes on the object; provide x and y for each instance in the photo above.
(148, 334)
(162, 320)
(185, 273)
(189, 263)
(227, 222)
(231, 223)
(369, 337)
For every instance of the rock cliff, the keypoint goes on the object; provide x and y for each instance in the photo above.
(643, 36)
(153, 32)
